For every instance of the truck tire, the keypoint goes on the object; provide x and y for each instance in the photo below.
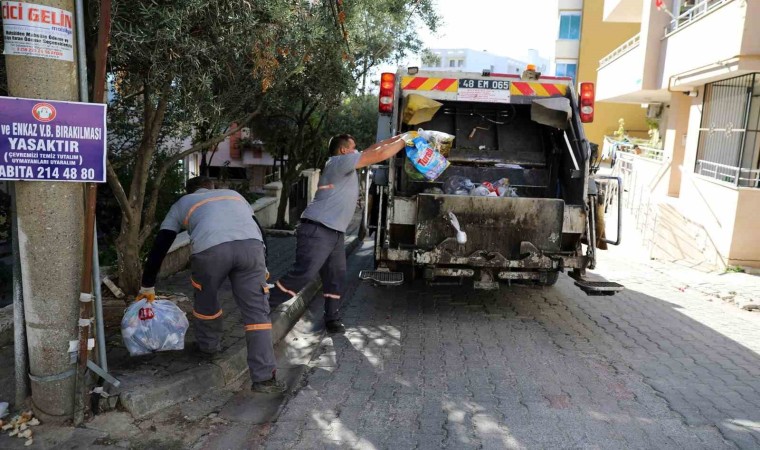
(551, 279)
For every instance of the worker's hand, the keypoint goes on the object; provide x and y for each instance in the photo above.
(146, 293)
(267, 276)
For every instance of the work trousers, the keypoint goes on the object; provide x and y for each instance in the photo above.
(318, 250)
(243, 263)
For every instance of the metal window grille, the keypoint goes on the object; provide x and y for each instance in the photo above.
(729, 145)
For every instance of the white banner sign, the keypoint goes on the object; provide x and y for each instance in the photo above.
(39, 31)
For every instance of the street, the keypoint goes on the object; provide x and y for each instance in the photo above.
(654, 367)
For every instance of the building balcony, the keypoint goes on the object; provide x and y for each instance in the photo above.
(623, 11)
(621, 73)
(710, 41)
(567, 49)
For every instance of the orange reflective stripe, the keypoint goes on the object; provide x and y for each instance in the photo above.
(283, 289)
(258, 326)
(326, 186)
(195, 284)
(203, 317)
(203, 202)
(335, 296)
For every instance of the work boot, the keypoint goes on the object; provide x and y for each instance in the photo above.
(335, 327)
(271, 386)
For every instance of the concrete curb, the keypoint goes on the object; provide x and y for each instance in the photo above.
(141, 397)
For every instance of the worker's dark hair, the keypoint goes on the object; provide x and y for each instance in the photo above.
(339, 141)
(193, 184)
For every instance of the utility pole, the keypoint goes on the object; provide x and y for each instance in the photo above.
(51, 224)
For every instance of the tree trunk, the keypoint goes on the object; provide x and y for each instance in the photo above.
(128, 250)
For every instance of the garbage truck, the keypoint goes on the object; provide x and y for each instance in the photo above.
(525, 130)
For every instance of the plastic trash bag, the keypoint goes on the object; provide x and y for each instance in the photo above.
(458, 185)
(480, 191)
(153, 327)
(438, 140)
(504, 189)
(427, 160)
(413, 173)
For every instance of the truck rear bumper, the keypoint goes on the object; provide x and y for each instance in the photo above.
(482, 259)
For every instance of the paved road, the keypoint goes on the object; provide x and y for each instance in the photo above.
(657, 366)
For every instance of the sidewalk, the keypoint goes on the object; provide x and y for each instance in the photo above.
(153, 382)
(740, 289)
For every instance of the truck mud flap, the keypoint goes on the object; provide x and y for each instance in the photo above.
(382, 278)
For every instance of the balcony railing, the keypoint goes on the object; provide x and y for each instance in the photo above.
(729, 174)
(700, 9)
(640, 150)
(627, 46)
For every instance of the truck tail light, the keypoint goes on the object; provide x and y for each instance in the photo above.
(587, 102)
(387, 90)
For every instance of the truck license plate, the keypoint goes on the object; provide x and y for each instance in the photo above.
(493, 91)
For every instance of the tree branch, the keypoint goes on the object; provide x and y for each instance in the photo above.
(118, 191)
(169, 163)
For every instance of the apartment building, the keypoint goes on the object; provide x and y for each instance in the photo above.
(597, 39)
(698, 62)
(469, 60)
(567, 48)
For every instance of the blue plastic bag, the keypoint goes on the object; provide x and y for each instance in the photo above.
(426, 159)
(153, 327)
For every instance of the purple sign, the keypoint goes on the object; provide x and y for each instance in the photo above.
(52, 141)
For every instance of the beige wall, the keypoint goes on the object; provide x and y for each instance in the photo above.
(745, 246)
(674, 133)
(598, 39)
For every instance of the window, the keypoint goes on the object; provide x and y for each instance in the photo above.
(729, 136)
(460, 63)
(567, 70)
(452, 63)
(570, 26)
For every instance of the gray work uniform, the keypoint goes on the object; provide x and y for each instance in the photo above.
(226, 243)
(320, 246)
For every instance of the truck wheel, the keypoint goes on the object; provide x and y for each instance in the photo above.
(551, 279)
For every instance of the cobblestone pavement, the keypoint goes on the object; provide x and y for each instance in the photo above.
(657, 366)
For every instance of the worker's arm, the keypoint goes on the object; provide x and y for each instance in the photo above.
(380, 151)
(164, 240)
(161, 246)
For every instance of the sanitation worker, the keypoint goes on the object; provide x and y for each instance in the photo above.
(226, 243)
(320, 237)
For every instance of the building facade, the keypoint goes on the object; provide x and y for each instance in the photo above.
(468, 60)
(597, 39)
(699, 63)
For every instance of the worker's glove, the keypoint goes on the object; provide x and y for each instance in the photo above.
(146, 293)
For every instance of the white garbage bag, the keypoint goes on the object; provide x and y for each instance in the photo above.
(153, 327)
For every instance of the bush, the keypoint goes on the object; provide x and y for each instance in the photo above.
(5, 216)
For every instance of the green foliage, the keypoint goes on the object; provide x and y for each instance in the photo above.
(621, 131)
(5, 216)
(356, 115)
(430, 59)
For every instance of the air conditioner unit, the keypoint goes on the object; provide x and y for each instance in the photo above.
(654, 110)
